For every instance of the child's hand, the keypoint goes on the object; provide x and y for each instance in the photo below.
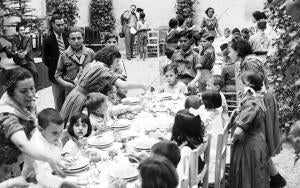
(17, 182)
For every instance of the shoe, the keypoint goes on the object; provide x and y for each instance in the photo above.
(277, 181)
(129, 58)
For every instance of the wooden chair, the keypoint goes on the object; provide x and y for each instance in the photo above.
(162, 41)
(153, 43)
(184, 182)
(231, 99)
(195, 177)
(221, 158)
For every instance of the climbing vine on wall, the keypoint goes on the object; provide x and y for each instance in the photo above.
(101, 15)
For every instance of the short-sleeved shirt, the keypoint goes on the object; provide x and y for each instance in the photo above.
(190, 60)
(178, 88)
(208, 57)
(9, 151)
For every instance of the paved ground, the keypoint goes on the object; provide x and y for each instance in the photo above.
(148, 72)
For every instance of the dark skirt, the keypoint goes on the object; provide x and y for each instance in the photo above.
(249, 163)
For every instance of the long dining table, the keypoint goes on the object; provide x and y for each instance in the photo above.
(152, 124)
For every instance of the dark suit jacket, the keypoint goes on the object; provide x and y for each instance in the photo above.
(20, 44)
(50, 53)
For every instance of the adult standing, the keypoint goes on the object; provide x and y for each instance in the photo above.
(54, 45)
(22, 50)
(17, 120)
(249, 151)
(210, 23)
(240, 53)
(129, 29)
(95, 76)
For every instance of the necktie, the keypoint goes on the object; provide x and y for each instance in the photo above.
(61, 45)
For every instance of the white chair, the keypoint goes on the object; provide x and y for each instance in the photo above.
(221, 152)
(184, 181)
(231, 100)
(195, 177)
(153, 43)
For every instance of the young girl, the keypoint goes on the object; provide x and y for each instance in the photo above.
(79, 128)
(97, 110)
(172, 85)
(183, 135)
(210, 112)
(116, 109)
(142, 28)
(187, 137)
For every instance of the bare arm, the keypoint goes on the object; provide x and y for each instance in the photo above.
(129, 85)
(20, 140)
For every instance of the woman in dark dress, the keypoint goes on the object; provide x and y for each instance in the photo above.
(95, 76)
(249, 151)
(17, 120)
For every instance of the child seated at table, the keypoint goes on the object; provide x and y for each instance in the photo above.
(157, 172)
(78, 129)
(188, 137)
(97, 110)
(210, 112)
(192, 101)
(215, 82)
(121, 94)
(118, 110)
(183, 135)
(172, 85)
(47, 137)
(167, 149)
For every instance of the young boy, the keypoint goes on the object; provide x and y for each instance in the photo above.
(142, 29)
(111, 40)
(207, 60)
(228, 71)
(167, 149)
(73, 60)
(187, 60)
(215, 82)
(47, 138)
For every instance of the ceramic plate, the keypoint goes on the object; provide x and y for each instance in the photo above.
(101, 140)
(126, 172)
(144, 143)
(121, 123)
(78, 164)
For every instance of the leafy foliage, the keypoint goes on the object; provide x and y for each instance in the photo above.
(21, 9)
(185, 8)
(101, 15)
(67, 8)
(284, 68)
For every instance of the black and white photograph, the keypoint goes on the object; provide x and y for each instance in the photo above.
(149, 93)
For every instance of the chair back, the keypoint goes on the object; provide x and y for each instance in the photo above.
(221, 152)
(195, 176)
(153, 42)
(231, 100)
(184, 182)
